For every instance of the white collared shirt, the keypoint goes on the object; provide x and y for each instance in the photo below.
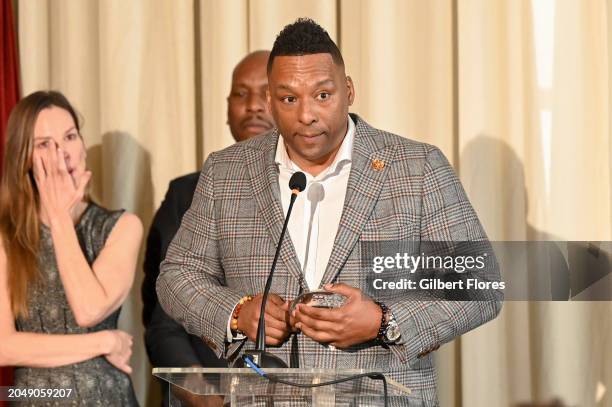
(317, 210)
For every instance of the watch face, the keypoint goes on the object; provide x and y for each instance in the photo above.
(393, 333)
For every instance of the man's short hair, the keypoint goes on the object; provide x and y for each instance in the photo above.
(304, 37)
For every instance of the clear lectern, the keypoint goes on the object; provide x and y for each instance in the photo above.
(244, 387)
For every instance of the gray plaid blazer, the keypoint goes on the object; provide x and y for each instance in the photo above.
(226, 243)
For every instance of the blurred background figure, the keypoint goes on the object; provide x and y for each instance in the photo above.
(66, 264)
(167, 342)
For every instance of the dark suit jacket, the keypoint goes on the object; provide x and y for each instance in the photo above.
(168, 345)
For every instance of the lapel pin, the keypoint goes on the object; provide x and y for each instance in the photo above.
(378, 165)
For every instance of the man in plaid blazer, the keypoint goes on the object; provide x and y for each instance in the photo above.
(396, 189)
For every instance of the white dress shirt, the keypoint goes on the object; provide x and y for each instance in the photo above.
(316, 213)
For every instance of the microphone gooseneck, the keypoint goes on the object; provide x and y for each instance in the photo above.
(297, 184)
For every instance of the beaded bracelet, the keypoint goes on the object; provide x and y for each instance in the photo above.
(383, 322)
(243, 300)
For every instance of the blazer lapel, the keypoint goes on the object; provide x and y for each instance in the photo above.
(263, 174)
(369, 167)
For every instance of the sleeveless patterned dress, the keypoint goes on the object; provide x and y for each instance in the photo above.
(94, 382)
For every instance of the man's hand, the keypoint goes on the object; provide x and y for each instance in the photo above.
(357, 321)
(277, 319)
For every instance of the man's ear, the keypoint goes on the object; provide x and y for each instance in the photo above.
(351, 90)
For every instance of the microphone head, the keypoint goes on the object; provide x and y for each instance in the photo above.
(297, 181)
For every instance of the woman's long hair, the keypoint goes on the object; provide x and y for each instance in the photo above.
(19, 199)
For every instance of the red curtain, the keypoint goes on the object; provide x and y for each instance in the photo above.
(9, 68)
(9, 95)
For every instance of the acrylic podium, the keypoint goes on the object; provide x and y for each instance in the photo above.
(244, 387)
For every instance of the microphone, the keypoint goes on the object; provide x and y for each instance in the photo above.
(259, 356)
